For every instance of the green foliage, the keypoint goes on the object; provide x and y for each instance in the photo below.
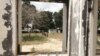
(41, 20)
(28, 13)
(33, 38)
(58, 16)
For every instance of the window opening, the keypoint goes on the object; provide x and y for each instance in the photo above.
(41, 27)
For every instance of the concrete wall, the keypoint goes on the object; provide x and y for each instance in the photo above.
(7, 28)
(82, 25)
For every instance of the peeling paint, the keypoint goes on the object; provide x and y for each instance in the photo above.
(7, 42)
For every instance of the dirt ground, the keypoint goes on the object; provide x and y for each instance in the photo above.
(52, 45)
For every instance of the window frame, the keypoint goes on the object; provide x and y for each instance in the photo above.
(65, 28)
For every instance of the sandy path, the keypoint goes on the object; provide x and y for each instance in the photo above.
(51, 45)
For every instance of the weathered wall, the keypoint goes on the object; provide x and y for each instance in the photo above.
(93, 17)
(77, 16)
(82, 29)
(7, 28)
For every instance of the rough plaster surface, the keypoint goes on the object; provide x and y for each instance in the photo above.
(5, 28)
(79, 31)
(79, 27)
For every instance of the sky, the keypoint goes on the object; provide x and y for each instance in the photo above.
(47, 6)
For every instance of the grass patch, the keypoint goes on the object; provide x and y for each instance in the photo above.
(34, 39)
(57, 36)
(38, 38)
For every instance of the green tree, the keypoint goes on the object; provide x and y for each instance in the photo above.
(28, 13)
(43, 20)
(58, 18)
